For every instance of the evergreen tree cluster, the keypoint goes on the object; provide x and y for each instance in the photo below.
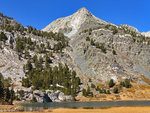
(103, 90)
(24, 45)
(44, 77)
(97, 45)
(6, 95)
(126, 83)
(11, 25)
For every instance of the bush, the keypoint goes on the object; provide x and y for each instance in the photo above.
(104, 91)
(102, 47)
(101, 91)
(87, 92)
(90, 80)
(108, 92)
(26, 82)
(92, 85)
(114, 52)
(115, 31)
(126, 83)
(111, 83)
(87, 39)
(3, 37)
(92, 42)
(97, 88)
(115, 90)
(84, 92)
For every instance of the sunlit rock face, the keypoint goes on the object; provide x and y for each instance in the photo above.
(70, 25)
(91, 62)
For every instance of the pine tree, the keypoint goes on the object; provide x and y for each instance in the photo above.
(1, 87)
(3, 37)
(29, 65)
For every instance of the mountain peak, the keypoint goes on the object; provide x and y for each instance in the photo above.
(83, 10)
(70, 25)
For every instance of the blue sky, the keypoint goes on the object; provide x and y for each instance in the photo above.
(39, 13)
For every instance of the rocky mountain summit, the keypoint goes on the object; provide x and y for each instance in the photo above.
(70, 25)
(72, 56)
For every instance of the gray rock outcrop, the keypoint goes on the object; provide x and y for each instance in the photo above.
(44, 97)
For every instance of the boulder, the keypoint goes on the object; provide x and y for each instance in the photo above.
(42, 99)
(63, 97)
(38, 92)
(69, 98)
(41, 96)
(54, 96)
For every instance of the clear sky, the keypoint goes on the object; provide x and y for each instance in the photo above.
(39, 13)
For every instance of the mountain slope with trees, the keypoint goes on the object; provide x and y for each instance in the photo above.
(78, 55)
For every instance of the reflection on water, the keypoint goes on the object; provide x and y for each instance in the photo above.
(84, 105)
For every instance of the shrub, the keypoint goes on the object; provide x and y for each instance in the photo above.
(115, 31)
(3, 37)
(101, 90)
(92, 85)
(108, 92)
(114, 52)
(111, 83)
(92, 42)
(102, 47)
(126, 83)
(87, 39)
(97, 88)
(115, 90)
(84, 92)
(90, 80)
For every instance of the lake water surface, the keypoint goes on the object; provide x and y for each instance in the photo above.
(84, 105)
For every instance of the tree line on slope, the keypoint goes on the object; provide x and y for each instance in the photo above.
(6, 91)
(40, 75)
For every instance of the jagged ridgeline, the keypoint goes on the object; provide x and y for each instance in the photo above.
(39, 49)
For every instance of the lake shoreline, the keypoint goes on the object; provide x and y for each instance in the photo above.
(19, 108)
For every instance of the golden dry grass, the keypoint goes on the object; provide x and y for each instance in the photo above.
(145, 79)
(108, 110)
(11, 107)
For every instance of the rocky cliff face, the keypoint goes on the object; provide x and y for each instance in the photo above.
(102, 50)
